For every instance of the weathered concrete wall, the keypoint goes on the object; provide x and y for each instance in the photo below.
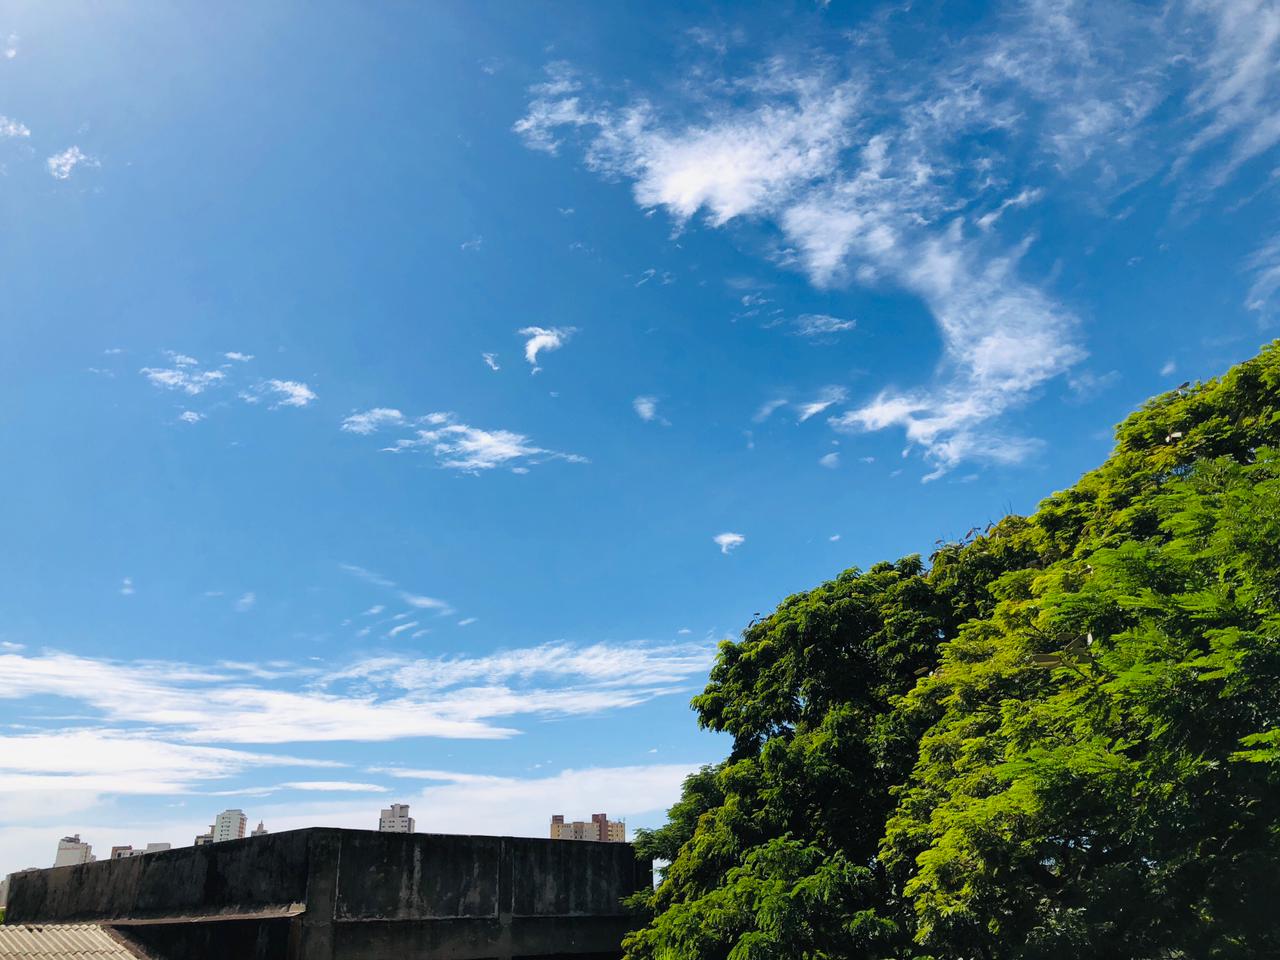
(353, 895)
(238, 877)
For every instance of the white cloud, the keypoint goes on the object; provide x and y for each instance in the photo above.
(401, 628)
(490, 360)
(425, 603)
(859, 173)
(473, 244)
(333, 786)
(1168, 368)
(372, 420)
(767, 409)
(62, 164)
(237, 357)
(543, 340)
(126, 587)
(817, 325)
(834, 538)
(11, 46)
(181, 377)
(1237, 96)
(416, 600)
(1023, 199)
(467, 621)
(508, 806)
(119, 762)
(729, 541)
(374, 699)
(646, 408)
(190, 416)
(12, 128)
(245, 603)
(827, 397)
(291, 393)
(830, 460)
(1264, 266)
(459, 446)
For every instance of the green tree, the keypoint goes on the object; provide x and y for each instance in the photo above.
(1059, 739)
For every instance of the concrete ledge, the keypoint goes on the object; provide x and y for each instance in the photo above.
(324, 894)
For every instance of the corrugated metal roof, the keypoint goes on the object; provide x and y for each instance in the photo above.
(61, 941)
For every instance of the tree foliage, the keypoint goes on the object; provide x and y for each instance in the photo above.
(1059, 739)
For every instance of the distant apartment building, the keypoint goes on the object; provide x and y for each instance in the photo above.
(600, 827)
(127, 851)
(229, 825)
(259, 830)
(396, 819)
(72, 850)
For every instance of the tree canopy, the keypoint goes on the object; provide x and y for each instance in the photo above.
(1058, 739)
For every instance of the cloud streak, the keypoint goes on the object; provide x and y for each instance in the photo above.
(455, 445)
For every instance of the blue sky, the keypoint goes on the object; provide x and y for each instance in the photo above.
(402, 400)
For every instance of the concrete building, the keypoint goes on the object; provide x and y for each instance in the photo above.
(325, 894)
(259, 830)
(600, 827)
(229, 825)
(396, 819)
(204, 838)
(71, 850)
(126, 851)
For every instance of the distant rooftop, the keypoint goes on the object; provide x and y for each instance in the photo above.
(61, 941)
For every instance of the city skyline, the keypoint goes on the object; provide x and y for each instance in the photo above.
(399, 394)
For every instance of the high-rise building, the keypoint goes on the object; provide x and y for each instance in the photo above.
(259, 830)
(72, 850)
(600, 827)
(126, 851)
(203, 838)
(229, 825)
(396, 819)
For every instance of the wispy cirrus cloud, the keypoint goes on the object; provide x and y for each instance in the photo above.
(370, 421)
(1264, 271)
(885, 173)
(416, 600)
(283, 393)
(455, 445)
(821, 325)
(1236, 99)
(121, 762)
(378, 698)
(188, 375)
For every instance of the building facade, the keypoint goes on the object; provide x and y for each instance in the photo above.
(71, 850)
(396, 819)
(127, 851)
(599, 828)
(229, 825)
(259, 830)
